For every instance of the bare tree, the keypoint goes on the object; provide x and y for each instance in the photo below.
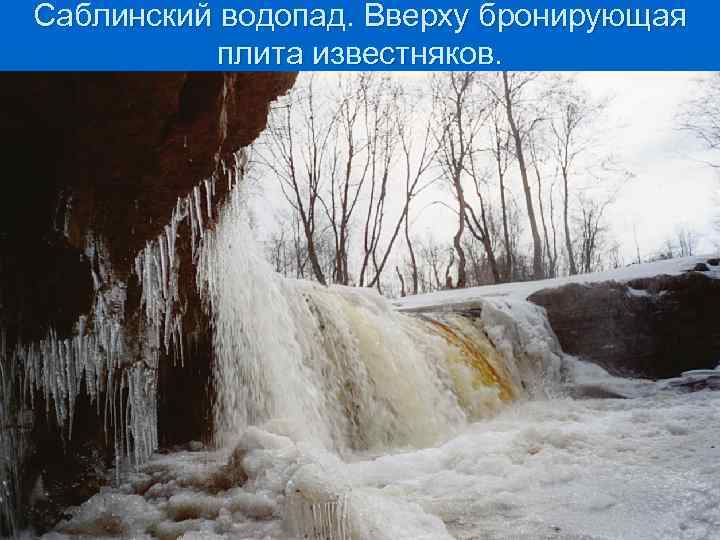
(281, 248)
(349, 163)
(591, 228)
(500, 141)
(416, 172)
(554, 258)
(571, 127)
(378, 110)
(701, 114)
(352, 160)
(481, 224)
(686, 240)
(295, 151)
(701, 117)
(459, 118)
(416, 153)
(513, 88)
(638, 258)
(334, 160)
(550, 247)
(594, 244)
(434, 262)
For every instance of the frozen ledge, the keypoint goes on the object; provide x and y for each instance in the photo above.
(468, 299)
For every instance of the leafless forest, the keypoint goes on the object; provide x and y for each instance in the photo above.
(513, 157)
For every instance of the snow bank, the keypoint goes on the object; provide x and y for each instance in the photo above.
(525, 289)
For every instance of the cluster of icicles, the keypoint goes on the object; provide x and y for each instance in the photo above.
(117, 371)
(334, 368)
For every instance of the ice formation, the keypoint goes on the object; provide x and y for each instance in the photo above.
(340, 365)
(561, 469)
(118, 371)
(305, 376)
(338, 417)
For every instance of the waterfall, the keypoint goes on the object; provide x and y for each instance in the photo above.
(307, 379)
(339, 365)
(336, 371)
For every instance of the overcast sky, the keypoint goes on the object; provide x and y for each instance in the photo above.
(672, 185)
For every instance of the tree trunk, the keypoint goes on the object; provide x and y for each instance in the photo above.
(517, 138)
(403, 293)
(492, 261)
(548, 253)
(506, 231)
(413, 261)
(457, 239)
(312, 255)
(566, 222)
(483, 236)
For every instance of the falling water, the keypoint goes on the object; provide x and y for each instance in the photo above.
(337, 417)
(338, 365)
(306, 378)
(338, 369)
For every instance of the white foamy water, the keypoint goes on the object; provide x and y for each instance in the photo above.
(339, 418)
(645, 468)
(340, 367)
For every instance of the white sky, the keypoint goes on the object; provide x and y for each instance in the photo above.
(672, 185)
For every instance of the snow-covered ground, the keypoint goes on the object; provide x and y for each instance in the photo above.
(343, 419)
(525, 289)
(638, 469)
(641, 469)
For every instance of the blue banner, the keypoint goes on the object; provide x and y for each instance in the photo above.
(228, 35)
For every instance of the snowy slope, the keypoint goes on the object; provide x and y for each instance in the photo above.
(523, 290)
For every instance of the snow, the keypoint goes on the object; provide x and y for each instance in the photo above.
(340, 418)
(523, 290)
(641, 469)
(697, 377)
(605, 469)
(342, 367)
(585, 378)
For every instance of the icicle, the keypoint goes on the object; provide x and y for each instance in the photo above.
(318, 515)
(196, 199)
(170, 237)
(163, 265)
(208, 198)
(56, 367)
(193, 223)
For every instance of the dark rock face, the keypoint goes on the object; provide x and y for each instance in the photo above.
(107, 155)
(118, 149)
(60, 471)
(654, 327)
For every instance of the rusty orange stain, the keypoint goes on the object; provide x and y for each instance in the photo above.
(477, 360)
